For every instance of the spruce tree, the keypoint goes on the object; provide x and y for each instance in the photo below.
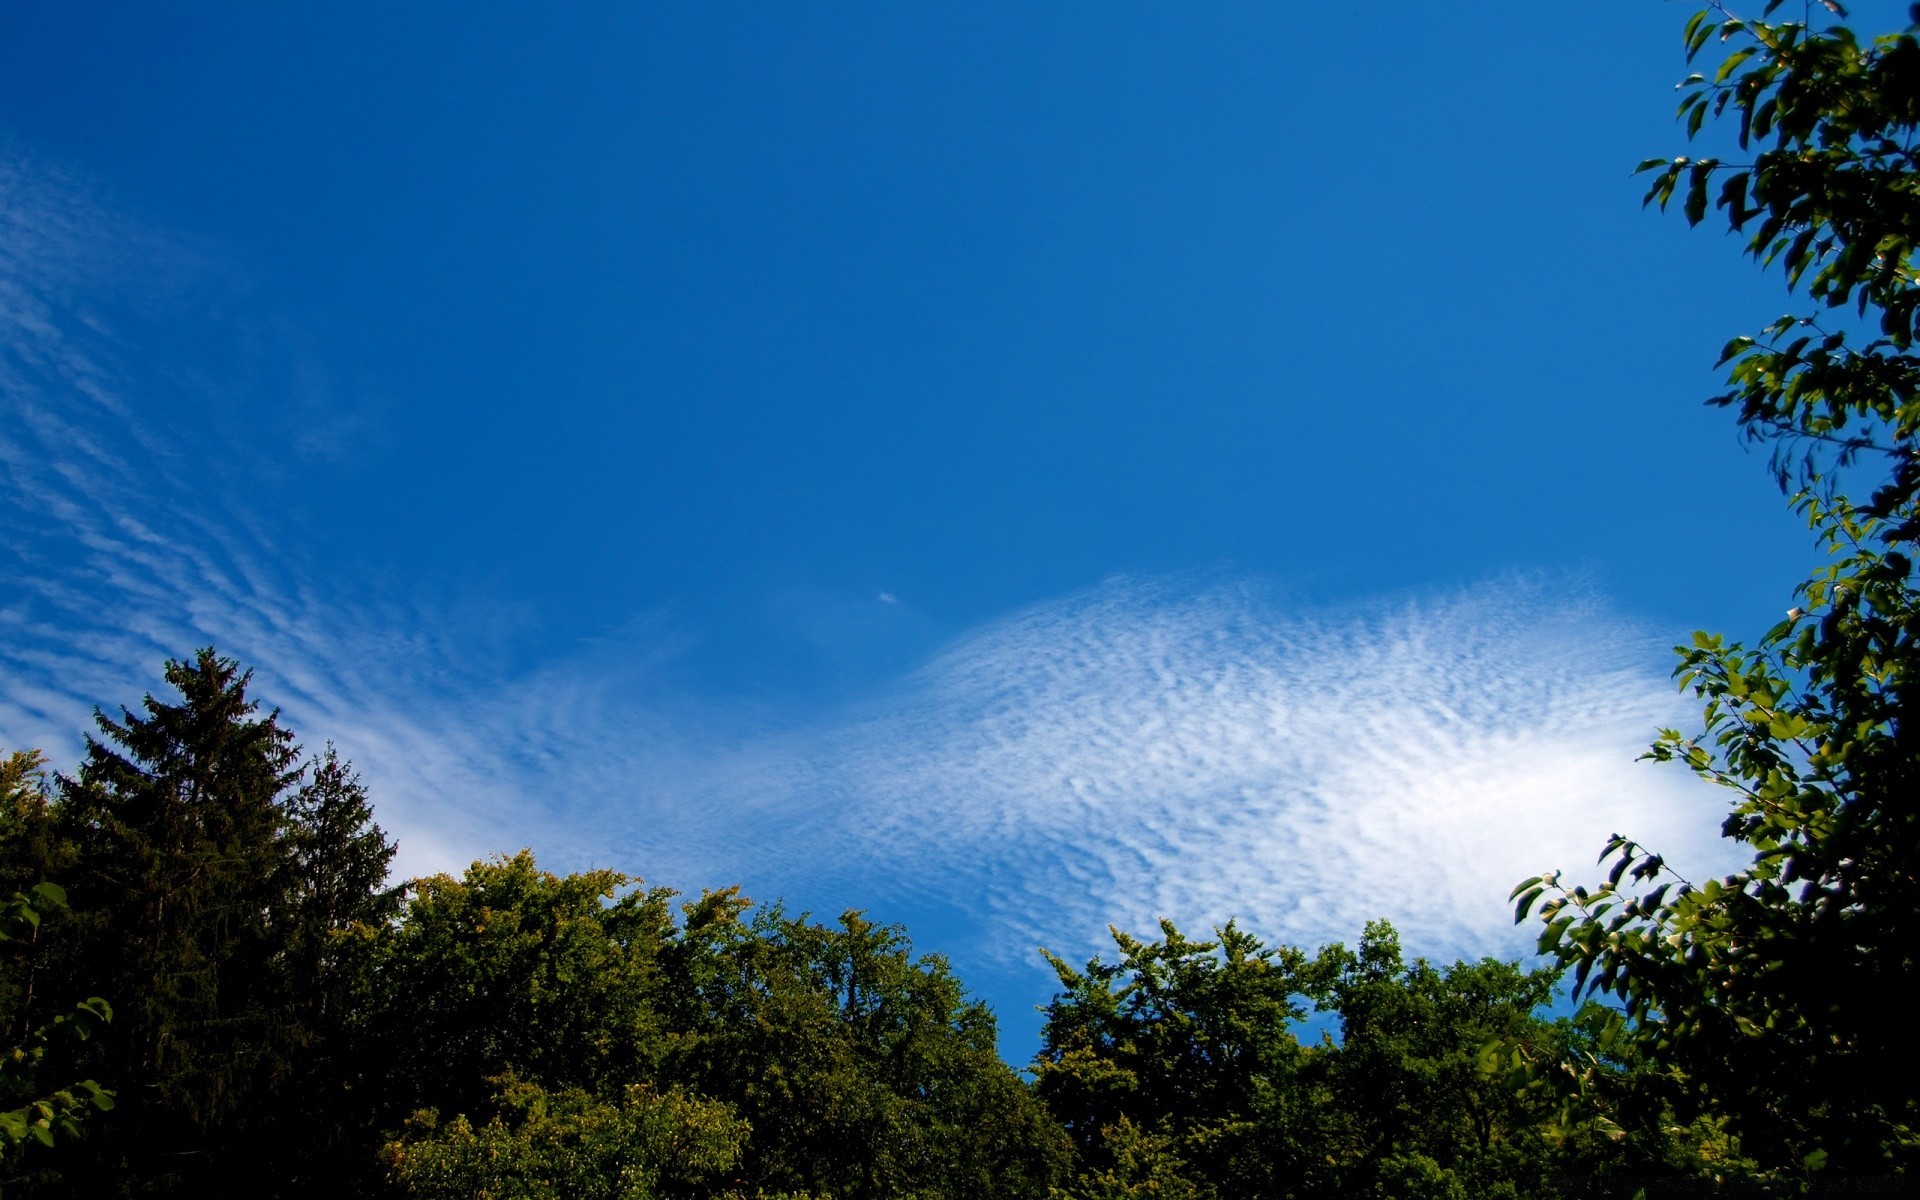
(336, 860)
(317, 1137)
(188, 880)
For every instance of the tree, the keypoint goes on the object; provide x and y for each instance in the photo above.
(1177, 1071)
(174, 815)
(1420, 1115)
(511, 970)
(864, 1071)
(334, 862)
(209, 874)
(1179, 1058)
(859, 1070)
(34, 1107)
(1779, 996)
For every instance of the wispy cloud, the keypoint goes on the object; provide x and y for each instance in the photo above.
(1195, 747)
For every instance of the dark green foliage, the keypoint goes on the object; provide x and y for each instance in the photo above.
(1407, 1076)
(1778, 997)
(321, 1118)
(294, 1027)
(28, 859)
(30, 849)
(41, 1111)
(175, 818)
(1181, 1056)
(864, 1071)
(1177, 1071)
(208, 876)
(334, 861)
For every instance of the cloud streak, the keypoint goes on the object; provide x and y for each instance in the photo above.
(1200, 748)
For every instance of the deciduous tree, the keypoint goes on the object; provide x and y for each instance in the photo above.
(1781, 994)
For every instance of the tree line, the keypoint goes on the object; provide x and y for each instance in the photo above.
(209, 984)
(285, 1022)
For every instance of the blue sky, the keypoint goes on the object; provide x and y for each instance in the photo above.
(1010, 467)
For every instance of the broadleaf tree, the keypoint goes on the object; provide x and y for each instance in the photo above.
(1778, 997)
(49, 1112)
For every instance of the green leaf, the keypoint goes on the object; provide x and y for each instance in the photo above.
(1733, 61)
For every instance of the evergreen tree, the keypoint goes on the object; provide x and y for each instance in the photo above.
(336, 861)
(314, 1133)
(175, 816)
(210, 872)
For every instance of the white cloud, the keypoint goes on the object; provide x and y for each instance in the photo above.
(1154, 749)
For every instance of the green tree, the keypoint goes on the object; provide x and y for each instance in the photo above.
(175, 818)
(1419, 1113)
(334, 860)
(210, 874)
(1134, 1164)
(860, 1070)
(513, 971)
(1177, 1067)
(865, 1071)
(1779, 995)
(30, 855)
(1180, 1056)
(30, 847)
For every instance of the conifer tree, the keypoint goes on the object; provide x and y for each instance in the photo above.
(193, 842)
(312, 1137)
(336, 861)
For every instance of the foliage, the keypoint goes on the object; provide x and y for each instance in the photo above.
(513, 971)
(569, 1146)
(333, 868)
(1134, 1164)
(860, 1070)
(1778, 995)
(1181, 1050)
(297, 1027)
(57, 1113)
(1177, 1071)
(1407, 1077)
(174, 818)
(865, 1071)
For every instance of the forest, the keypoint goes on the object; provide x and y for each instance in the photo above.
(210, 984)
